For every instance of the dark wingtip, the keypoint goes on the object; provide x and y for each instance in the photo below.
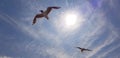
(59, 7)
(90, 50)
(77, 47)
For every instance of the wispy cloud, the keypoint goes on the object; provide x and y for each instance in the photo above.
(108, 41)
(113, 36)
(8, 19)
(5, 57)
(108, 52)
(57, 53)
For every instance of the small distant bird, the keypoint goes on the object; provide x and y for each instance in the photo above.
(44, 13)
(83, 49)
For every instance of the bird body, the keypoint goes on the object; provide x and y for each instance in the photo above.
(44, 14)
(83, 49)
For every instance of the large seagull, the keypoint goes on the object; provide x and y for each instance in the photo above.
(44, 14)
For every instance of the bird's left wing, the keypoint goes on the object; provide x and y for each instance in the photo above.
(37, 16)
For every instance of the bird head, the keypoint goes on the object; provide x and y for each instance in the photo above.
(41, 11)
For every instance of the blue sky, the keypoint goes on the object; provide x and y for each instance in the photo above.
(96, 27)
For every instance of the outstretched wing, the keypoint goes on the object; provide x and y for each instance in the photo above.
(88, 50)
(37, 16)
(50, 8)
(78, 47)
(81, 49)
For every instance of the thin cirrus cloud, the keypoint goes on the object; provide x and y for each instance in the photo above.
(5, 57)
(108, 41)
(108, 52)
(111, 39)
(113, 35)
(57, 53)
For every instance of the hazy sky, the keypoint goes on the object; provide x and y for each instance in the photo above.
(92, 24)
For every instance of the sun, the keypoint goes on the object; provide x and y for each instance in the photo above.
(70, 19)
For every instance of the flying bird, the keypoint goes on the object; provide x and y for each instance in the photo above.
(83, 49)
(44, 13)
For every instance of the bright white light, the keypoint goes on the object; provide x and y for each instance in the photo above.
(70, 19)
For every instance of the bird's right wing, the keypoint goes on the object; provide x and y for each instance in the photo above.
(50, 8)
(37, 16)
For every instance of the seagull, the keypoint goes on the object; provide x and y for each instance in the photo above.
(44, 13)
(83, 49)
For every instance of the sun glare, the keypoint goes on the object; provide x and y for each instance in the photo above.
(70, 19)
